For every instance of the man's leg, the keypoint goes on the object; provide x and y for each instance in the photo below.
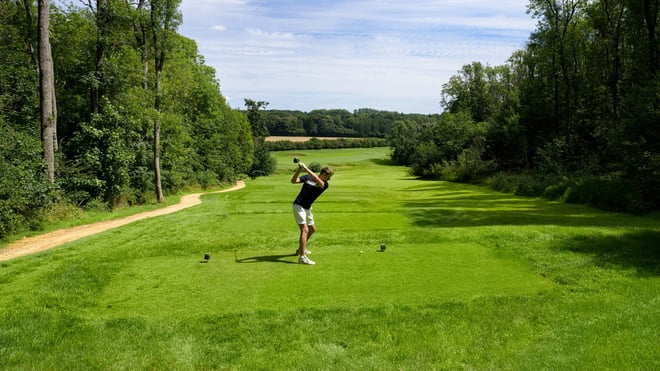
(302, 242)
(311, 228)
(307, 235)
(302, 250)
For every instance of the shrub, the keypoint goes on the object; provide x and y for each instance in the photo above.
(529, 184)
(207, 179)
(611, 193)
(97, 205)
(555, 191)
(470, 168)
(24, 191)
(608, 194)
(264, 164)
(315, 167)
(79, 186)
(61, 210)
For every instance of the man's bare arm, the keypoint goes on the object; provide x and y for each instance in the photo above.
(295, 179)
(319, 181)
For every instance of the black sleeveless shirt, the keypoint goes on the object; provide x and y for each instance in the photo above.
(309, 192)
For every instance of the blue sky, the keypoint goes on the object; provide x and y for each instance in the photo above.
(389, 55)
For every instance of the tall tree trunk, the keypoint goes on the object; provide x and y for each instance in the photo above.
(163, 18)
(47, 90)
(142, 38)
(157, 177)
(27, 4)
(98, 88)
(651, 9)
(159, 63)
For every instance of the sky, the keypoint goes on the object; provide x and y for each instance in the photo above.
(391, 55)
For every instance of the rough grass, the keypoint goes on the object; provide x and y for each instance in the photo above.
(471, 279)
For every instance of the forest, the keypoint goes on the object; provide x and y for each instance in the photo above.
(104, 104)
(574, 116)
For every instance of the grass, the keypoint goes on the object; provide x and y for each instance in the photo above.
(471, 279)
(62, 216)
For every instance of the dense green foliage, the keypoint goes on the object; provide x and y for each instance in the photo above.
(579, 108)
(472, 279)
(262, 164)
(24, 189)
(109, 99)
(363, 123)
(320, 143)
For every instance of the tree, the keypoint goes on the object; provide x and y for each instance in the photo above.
(106, 55)
(257, 121)
(467, 92)
(19, 66)
(404, 139)
(140, 31)
(262, 164)
(47, 90)
(103, 19)
(558, 48)
(164, 18)
(25, 191)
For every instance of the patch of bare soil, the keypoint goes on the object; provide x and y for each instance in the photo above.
(31, 245)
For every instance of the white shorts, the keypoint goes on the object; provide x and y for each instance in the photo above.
(302, 215)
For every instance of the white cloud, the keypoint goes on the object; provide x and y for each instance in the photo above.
(270, 35)
(383, 54)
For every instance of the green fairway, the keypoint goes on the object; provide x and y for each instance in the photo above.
(470, 279)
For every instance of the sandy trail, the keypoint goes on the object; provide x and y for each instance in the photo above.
(31, 245)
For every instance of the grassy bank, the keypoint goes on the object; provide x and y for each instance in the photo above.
(471, 279)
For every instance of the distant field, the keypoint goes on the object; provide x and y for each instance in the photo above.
(301, 139)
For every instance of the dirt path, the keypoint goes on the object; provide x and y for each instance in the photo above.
(31, 245)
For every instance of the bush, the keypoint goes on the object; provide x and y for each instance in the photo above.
(555, 191)
(529, 184)
(470, 168)
(97, 205)
(24, 190)
(79, 186)
(315, 167)
(607, 194)
(264, 164)
(207, 179)
(61, 210)
(604, 192)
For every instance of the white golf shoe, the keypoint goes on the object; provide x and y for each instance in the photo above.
(305, 260)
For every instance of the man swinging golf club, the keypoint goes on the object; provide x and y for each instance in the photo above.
(312, 187)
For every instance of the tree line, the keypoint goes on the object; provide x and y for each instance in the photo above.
(575, 115)
(103, 103)
(362, 123)
(317, 143)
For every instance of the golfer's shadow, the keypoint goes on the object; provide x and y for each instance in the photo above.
(266, 259)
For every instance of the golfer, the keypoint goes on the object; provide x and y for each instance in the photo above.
(312, 187)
